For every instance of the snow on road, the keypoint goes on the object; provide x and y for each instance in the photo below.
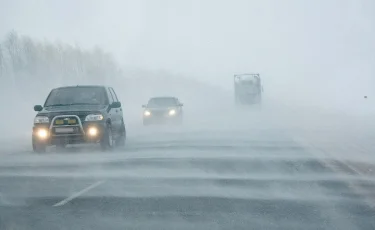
(268, 168)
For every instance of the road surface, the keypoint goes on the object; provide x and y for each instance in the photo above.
(224, 171)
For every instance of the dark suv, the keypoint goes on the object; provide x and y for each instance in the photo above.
(79, 114)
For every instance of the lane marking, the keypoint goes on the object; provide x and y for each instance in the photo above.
(77, 194)
(356, 188)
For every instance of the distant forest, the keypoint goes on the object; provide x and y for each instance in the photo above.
(30, 68)
(26, 63)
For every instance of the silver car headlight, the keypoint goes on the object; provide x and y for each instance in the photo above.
(41, 120)
(147, 113)
(94, 117)
(172, 112)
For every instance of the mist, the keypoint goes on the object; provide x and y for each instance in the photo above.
(312, 56)
(308, 53)
(301, 157)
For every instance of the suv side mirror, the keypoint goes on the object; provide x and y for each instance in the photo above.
(116, 105)
(143, 106)
(38, 108)
(181, 104)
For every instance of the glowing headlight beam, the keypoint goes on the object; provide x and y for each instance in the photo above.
(93, 131)
(147, 113)
(42, 133)
(172, 112)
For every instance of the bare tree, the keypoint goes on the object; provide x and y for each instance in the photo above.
(12, 45)
(30, 56)
(2, 64)
(28, 62)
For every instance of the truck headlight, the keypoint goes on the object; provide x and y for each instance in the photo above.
(147, 113)
(94, 117)
(172, 112)
(41, 120)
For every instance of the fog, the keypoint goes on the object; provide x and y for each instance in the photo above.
(315, 52)
(312, 56)
(303, 158)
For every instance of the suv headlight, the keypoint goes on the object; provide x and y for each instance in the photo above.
(94, 117)
(41, 120)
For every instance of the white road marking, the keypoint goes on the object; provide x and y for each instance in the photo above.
(77, 194)
(360, 191)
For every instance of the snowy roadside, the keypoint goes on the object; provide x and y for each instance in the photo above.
(15, 144)
(345, 137)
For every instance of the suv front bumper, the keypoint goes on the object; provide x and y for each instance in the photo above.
(87, 132)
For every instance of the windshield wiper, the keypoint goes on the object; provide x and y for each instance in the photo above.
(57, 105)
(72, 104)
(84, 104)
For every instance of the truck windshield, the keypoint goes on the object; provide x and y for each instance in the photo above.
(247, 77)
(77, 96)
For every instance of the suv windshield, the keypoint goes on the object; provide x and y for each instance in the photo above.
(162, 102)
(77, 96)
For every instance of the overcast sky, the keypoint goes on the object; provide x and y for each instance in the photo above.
(299, 42)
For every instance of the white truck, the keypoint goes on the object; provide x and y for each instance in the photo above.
(248, 88)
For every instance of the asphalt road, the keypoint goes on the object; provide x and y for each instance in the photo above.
(213, 173)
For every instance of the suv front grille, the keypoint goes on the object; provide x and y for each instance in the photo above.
(70, 121)
(81, 115)
(159, 113)
(66, 125)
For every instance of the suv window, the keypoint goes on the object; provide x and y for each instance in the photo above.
(111, 99)
(77, 96)
(113, 94)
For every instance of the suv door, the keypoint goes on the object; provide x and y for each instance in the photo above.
(117, 112)
(111, 112)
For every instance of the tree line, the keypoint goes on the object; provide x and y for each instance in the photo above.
(28, 64)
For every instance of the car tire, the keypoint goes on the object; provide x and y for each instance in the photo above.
(179, 120)
(39, 147)
(106, 143)
(236, 99)
(120, 142)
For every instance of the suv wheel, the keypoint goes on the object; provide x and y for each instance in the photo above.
(180, 120)
(146, 123)
(120, 141)
(39, 147)
(107, 140)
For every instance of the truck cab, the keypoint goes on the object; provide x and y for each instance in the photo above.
(248, 88)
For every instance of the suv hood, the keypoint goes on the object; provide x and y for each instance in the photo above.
(73, 108)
